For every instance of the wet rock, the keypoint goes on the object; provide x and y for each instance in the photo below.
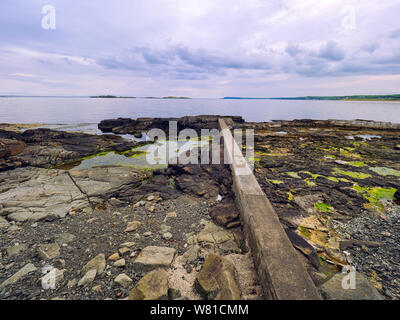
(225, 214)
(154, 257)
(21, 274)
(333, 289)
(87, 278)
(153, 286)
(48, 251)
(98, 263)
(216, 280)
(174, 294)
(304, 247)
(123, 280)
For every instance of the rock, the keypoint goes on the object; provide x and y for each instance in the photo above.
(150, 198)
(10, 147)
(4, 223)
(48, 251)
(167, 236)
(304, 247)
(171, 215)
(52, 279)
(174, 294)
(225, 214)
(97, 289)
(363, 289)
(13, 250)
(153, 286)
(191, 254)
(336, 255)
(61, 238)
(132, 226)
(123, 280)
(87, 278)
(98, 263)
(124, 250)
(154, 257)
(127, 244)
(147, 234)
(114, 257)
(216, 280)
(140, 204)
(119, 263)
(21, 274)
(71, 283)
(397, 195)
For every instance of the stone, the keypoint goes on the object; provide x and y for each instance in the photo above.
(127, 244)
(119, 263)
(225, 214)
(97, 289)
(171, 215)
(154, 257)
(153, 286)
(52, 279)
(174, 294)
(150, 198)
(13, 250)
(191, 254)
(167, 236)
(139, 204)
(3, 223)
(123, 280)
(87, 278)
(48, 251)
(61, 238)
(71, 283)
(19, 275)
(363, 289)
(147, 234)
(114, 257)
(216, 280)
(132, 226)
(124, 250)
(98, 263)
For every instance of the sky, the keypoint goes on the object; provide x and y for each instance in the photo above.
(199, 48)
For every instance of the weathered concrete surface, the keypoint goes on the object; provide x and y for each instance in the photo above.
(282, 275)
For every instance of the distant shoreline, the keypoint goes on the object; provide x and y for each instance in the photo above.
(392, 97)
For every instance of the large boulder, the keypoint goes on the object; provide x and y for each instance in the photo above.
(217, 280)
(153, 286)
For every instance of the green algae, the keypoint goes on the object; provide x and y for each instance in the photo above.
(358, 164)
(353, 174)
(383, 171)
(293, 175)
(270, 154)
(347, 152)
(309, 182)
(313, 175)
(375, 194)
(323, 207)
(274, 181)
(290, 195)
(304, 232)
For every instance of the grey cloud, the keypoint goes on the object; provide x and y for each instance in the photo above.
(331, 51)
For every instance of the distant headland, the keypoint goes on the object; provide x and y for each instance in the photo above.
(389, 97)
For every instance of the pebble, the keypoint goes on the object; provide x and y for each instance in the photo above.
(114, 257)
(167, 235)
(119, 263)
(123, 280)
(87, 278)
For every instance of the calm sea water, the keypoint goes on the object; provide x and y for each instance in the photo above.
(73, 111)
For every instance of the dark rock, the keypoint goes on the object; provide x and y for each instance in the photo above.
(304, 247)
(225, 214)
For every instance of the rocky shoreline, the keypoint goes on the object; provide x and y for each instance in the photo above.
(109, 231)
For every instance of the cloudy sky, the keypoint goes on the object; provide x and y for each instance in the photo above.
(200, 48)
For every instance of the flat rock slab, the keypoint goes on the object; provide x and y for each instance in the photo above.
(334, 289)
(154, 257)
(22, 273)
(98, 263)
(153, 286)
(216, 280)
(48, 251)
